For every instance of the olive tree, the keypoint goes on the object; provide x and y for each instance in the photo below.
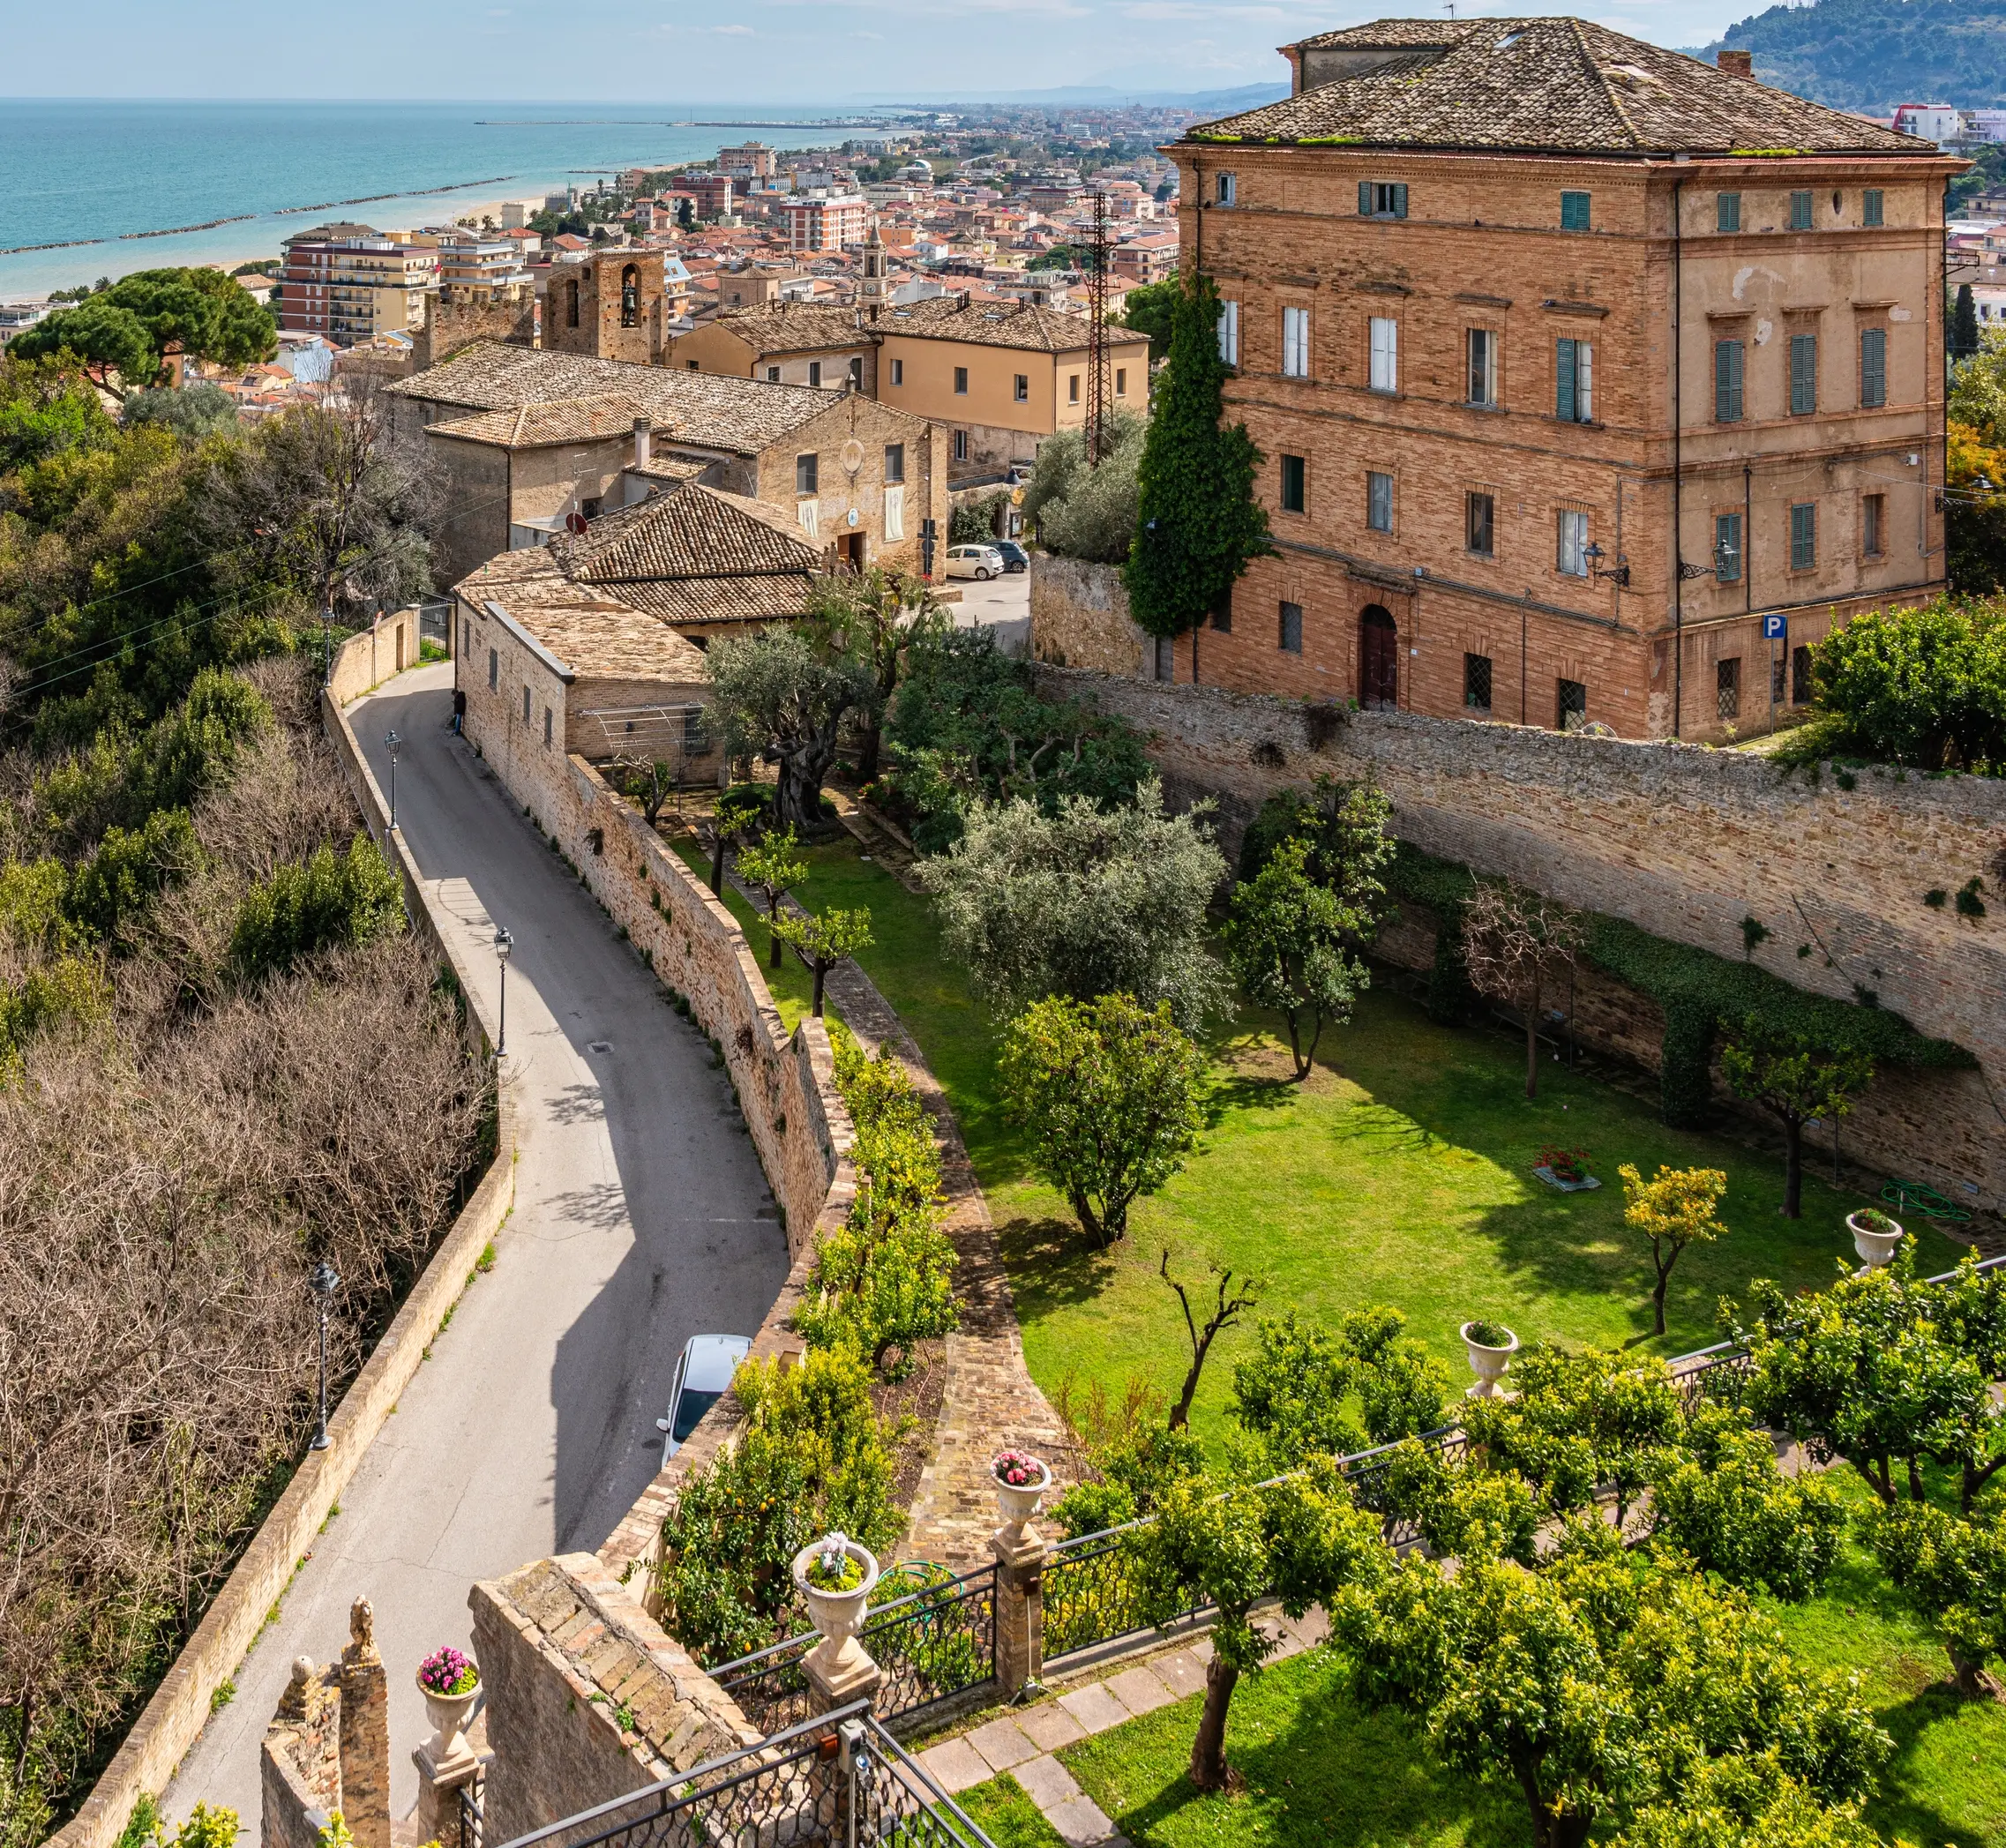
(1106, 1092)
(1081, 901)
(874, 617)
(1794, 1081)
(778, 695)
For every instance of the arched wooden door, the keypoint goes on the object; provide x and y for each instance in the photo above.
(1379, 659)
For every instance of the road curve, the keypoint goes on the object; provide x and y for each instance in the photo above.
(642, 1217)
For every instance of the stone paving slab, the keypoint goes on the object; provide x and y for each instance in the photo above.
(1138, 1690)
(1047, 1782)
(1081, 1821)
(1181, 1672)
(1095, 1708)
(1049, 1726)
(956, 1766)
(1001, 1744)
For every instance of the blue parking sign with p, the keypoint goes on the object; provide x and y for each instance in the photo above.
(1775, 628)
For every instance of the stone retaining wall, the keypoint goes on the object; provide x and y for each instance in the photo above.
(173, 1719)
(1686, 842)
(1079, 617)
(388, 646)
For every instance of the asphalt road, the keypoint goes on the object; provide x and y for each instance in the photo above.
(1003, 604)
(642, 1217)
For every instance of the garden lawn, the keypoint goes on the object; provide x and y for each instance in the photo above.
(793, 986)
(1400, 1172)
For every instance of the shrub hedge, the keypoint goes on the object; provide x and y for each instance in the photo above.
(1698, 991)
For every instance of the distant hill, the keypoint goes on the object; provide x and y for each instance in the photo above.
(1871, 54)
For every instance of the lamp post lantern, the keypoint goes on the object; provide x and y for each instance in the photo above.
(505, 942)
(324, 1282)
(392, 741)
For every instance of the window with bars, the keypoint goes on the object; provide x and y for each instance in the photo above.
(1483, 368)
(1872, 367)
(1870, 207)
(1385, 354)
(1229, 332)
(1479, 523)
(1803, 374)
(1728, 211)
(1574, 381)
(1572, 550)
(1873, 521)
(1727, 687)
(1290, 642)
(1379, 501)
(1295, 484)
(1570, 705)
(1727, 357)
(1804, 536)
(1477, 684)
(1727, 548)
(1382, 199)
(1800, 211)
(1801, 676)
(1574, 211)
(1295, 342)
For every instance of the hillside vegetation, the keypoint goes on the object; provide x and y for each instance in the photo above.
(1871, 54)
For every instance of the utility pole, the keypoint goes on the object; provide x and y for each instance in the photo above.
(1096, 335)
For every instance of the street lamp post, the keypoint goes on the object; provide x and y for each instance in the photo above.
(324, 1282)
(392, 741)
(504, 943)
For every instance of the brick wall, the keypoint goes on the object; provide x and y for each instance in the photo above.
(1079, 616)
(1685, 843)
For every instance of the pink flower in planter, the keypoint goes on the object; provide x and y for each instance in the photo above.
(446, 1671)
(1016, 1469)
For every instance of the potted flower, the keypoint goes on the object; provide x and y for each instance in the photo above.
(1022, 1480)
(1875, 1236)
(451, 1683)
(1565, 1169)
(1490, 1346)
(835, 1575)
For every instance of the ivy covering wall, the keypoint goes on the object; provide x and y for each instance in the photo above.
(1698, 991)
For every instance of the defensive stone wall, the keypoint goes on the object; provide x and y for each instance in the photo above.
(1686, 842)
(1079, 617)
(388, 646)
(173, 1719)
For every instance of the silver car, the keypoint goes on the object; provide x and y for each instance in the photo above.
(702, 1374)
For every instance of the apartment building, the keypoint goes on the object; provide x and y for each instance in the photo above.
(835, 222)
(351, 282)
(750, 160)
(469, 259)
(1593, 383)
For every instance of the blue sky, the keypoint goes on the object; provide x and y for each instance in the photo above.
(692, 51)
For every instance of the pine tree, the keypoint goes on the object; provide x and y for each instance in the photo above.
(1198, 523)
(1963, 325)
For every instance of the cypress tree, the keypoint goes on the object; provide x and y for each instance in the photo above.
(1197, 521)
(1963, 325)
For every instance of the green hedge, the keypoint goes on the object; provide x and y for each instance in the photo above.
(1698, 991)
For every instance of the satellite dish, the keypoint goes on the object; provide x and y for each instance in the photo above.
(575, 522)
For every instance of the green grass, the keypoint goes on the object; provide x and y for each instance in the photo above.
(1401, 1172)
(1004, 1812)
(793, 987)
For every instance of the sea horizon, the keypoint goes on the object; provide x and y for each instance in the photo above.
(119, 185)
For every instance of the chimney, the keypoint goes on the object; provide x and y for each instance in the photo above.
(644, 442)
(1736, 63)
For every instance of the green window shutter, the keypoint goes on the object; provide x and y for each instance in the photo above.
(1870, 207)
(1574, 211)
(1804, 536)
(1872, 367)
(1803, 374)
(1728, 211)
(1365, 199)
(1727, 381)
(1400, 201)
(1564, 381)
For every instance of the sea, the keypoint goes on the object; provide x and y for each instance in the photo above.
(129, 185)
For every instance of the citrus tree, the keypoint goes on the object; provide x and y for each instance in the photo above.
(1286, 939)
(770, 865)
(1796, 1081)
(1673, 1209)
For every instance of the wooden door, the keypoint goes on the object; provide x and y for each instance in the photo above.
(1379, 659)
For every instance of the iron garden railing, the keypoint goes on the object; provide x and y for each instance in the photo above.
(837, 1778)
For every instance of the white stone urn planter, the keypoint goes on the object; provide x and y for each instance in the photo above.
(1876, 1244)
(1018, 1502)
(1489, 1363)
(838, 1615)
(448, 1713)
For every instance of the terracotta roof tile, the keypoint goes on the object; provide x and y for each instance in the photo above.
(1544, 85)
(794, 328)
(695, 531)
(531, 426)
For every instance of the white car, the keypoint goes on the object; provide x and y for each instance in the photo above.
(983, 562)
(702, 1374)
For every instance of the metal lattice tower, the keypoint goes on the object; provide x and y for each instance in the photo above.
(1096, 335)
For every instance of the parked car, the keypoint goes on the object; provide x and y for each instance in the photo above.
(1015, 557)
(983, 562)
(702, 1372)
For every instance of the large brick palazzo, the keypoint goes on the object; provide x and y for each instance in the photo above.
(1526, 313)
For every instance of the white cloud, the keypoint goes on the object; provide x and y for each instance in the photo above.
(735, 32)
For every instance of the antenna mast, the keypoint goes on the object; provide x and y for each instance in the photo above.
(1096, 335)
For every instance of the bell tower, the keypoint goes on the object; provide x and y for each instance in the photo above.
(871, 288)
(609, 305)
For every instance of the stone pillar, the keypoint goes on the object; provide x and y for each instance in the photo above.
(838, 1671)
(1021, 1552)
(437, 1815)
(365, 1733)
